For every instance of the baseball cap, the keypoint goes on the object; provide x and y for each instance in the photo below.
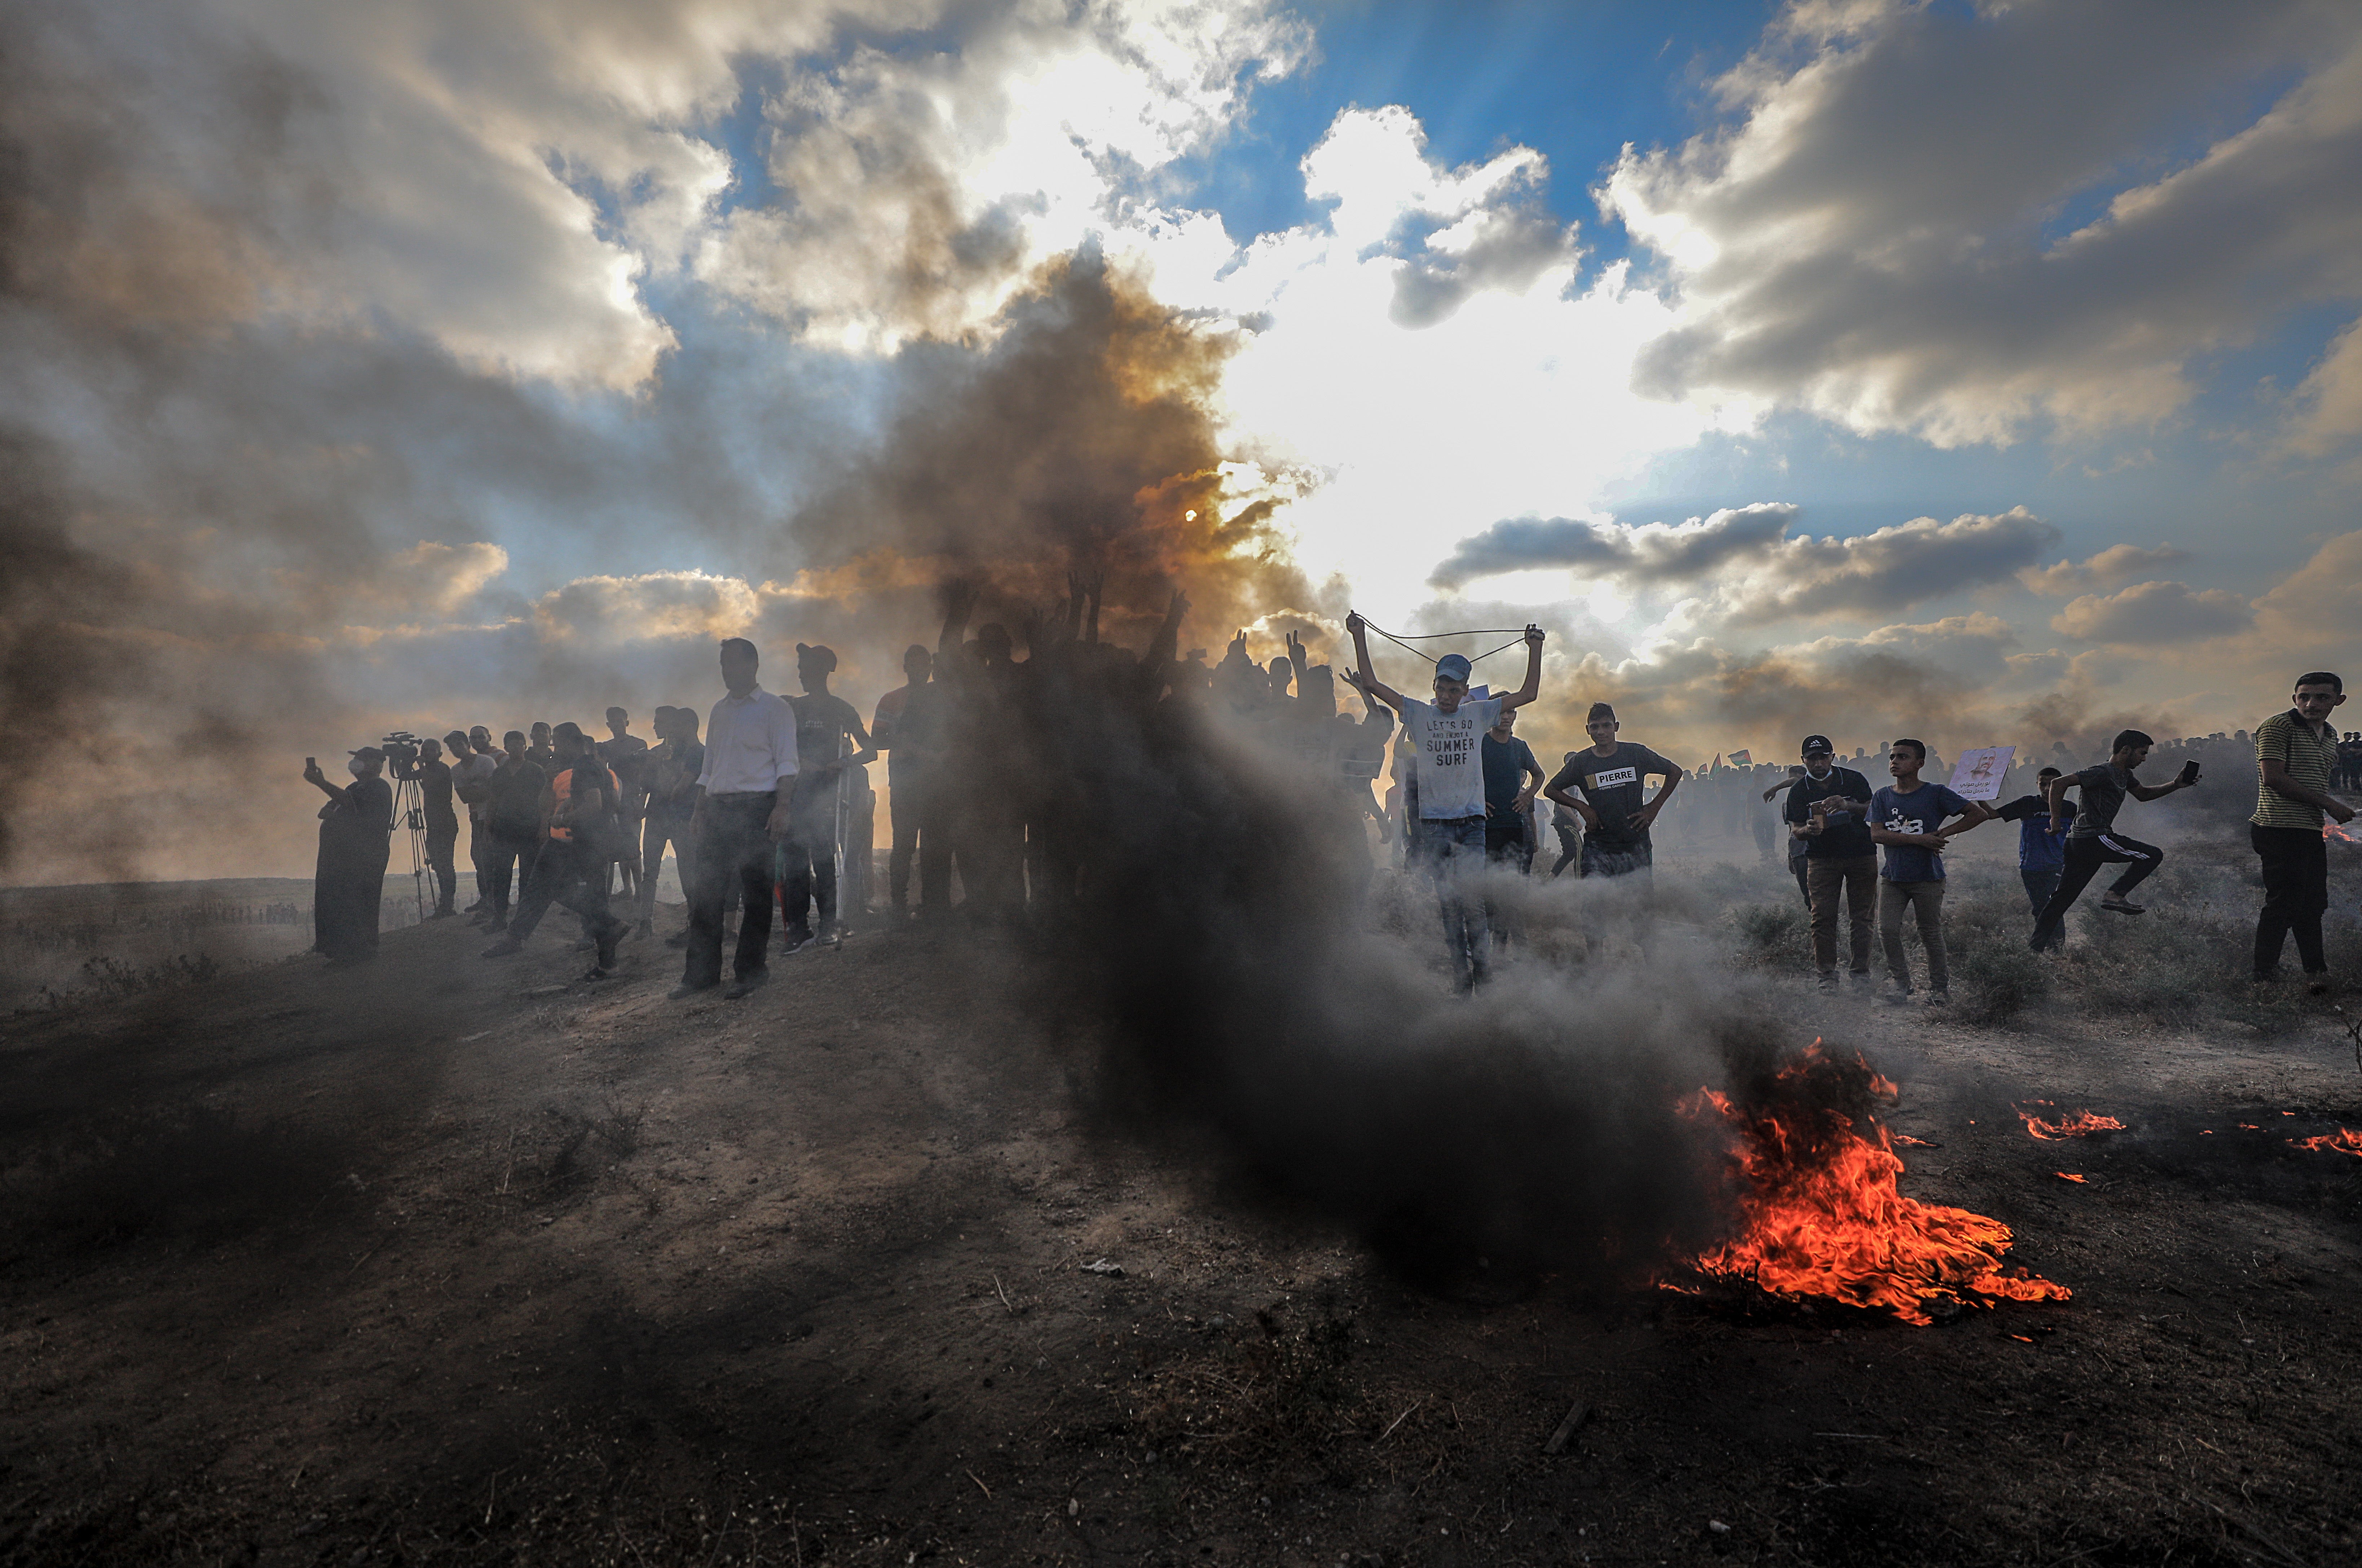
(1818, 743)
(367, 754)
(1452, 667)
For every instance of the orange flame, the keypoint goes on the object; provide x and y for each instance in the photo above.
(2332, 831)
(2076, 1126)
(2345, 1140)
(1819, 1217)
(2068, 1175)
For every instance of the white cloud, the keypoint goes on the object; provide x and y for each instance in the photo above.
(2117, 563)
(918, 189)
(1870, 240)
(2155, 613)
(2328, 403)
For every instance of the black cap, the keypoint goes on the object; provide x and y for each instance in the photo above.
(1818, 743)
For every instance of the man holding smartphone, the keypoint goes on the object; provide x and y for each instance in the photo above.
(2094, 841)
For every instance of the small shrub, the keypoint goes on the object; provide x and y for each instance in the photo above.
(1770, 934)
(1995, 981)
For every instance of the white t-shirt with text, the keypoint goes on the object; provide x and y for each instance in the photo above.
(1450, 770)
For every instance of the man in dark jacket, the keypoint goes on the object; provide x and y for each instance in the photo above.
(348, 882)
(1829, 808)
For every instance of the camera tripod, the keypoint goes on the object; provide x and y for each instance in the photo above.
(401, 750)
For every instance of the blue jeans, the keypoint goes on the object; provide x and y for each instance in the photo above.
(1456, 851)
(2041, 884)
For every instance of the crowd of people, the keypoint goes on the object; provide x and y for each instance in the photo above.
(767, 806)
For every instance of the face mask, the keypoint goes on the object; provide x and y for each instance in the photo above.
(356, 767)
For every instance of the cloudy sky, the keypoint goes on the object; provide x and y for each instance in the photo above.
(1986, 370)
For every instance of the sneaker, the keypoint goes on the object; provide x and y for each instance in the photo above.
(443, 914)
(791, 944)
(2316, 985)
(504, 947)
(746, 985)
(1894, 996)
(2118, 906)
(686, 989)
(1938, 998)
(596, 972)
(1830, 981)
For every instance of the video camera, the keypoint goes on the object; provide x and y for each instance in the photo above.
(401, 747)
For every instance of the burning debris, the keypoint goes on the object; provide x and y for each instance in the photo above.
(1817, 1215)
(2345, 1140)
(2083, 1124)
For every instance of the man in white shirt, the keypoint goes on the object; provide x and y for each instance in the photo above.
(1444, 738)
(740, 814)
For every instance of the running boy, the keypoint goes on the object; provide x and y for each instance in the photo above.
(2094, 841)
(1444, 738)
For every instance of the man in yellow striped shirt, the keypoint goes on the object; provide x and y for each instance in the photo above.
(2296, 753)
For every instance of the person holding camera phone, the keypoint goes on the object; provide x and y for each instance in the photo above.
(2094, 841)
(348, 883)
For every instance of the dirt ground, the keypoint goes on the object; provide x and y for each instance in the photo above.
(453, 1261)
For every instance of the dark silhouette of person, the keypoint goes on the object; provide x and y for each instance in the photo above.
(348, 880)
(808, 853)
(744, 795)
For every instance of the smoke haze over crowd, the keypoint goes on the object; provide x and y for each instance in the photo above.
(446, 364)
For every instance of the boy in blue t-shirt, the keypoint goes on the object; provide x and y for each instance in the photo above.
(2041, 848)
(1907, 818)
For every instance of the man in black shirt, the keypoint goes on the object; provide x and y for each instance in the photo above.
(1611, 774)
(2094, 841)
(1828, 808)
(808, 853)
(512, 824)
(623, 754)
(434, 777)
(1511, 777)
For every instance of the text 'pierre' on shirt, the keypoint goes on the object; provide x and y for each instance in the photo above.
(1451, 775)
(750, 745)
(2307, 753)
(1614, 787)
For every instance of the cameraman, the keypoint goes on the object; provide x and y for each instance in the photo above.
(348, 880)
(474, 760)
(424, 765)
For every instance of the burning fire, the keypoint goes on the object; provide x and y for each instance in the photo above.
(2081, 1124)
(1819, 1216)
(2345, 1140)
(2332, 831)
(2068, 1175)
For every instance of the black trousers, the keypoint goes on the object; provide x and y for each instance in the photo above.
(2084, 858)
(505, 853)
(1570, 846)
(2296, 893)
(904, 809)
(808, 863)
(1505, 841)
(346, 890)
(441, 838)
(733, 852)
(570, 873)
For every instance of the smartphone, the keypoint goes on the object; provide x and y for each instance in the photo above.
(311, 762)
